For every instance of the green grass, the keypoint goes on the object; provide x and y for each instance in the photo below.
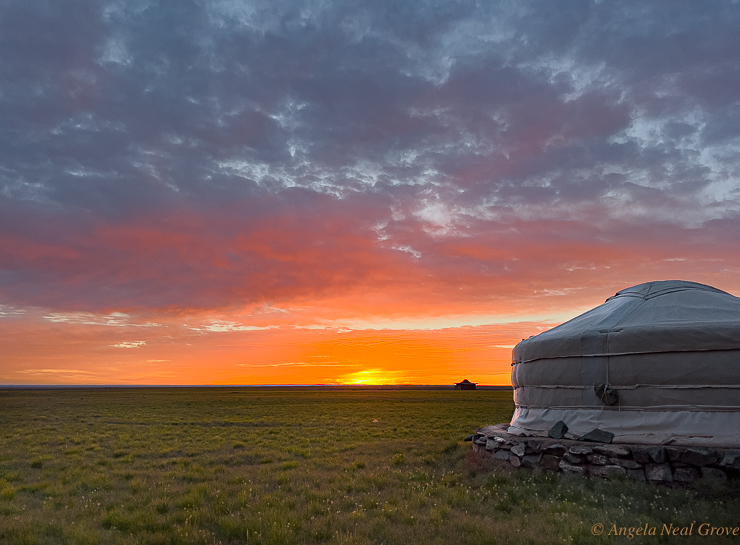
(278, 466)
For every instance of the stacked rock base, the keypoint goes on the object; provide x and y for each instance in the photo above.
(662, 464)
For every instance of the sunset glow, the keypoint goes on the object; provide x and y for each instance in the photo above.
(294, 193)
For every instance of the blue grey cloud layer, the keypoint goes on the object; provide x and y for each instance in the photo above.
(410, 124)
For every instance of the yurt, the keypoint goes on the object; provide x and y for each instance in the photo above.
(657, 363)
(465, 385)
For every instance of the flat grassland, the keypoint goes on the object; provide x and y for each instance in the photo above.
(283, 466)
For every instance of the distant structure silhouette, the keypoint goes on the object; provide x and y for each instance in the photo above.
(465, 385)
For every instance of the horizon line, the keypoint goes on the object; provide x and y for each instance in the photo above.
(389, 386)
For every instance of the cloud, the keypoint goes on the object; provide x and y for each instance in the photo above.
(8, 311)
(55, 371)
(180, 157)
(130, 344)
(301, 364)
(115, 319)
(221, 327)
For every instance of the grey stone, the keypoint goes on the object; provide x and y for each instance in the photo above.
(611, 450)
(627, 464)
(713, 475)
(636, 474)
(580, 449)
(598, 459)
(658, 455)
(549, 462)
(658, 472)
(640, 455)
(481, 441)
(515, 461)
(673, 453)
(502, 440)
(598, 436)
(731, 459)
(531, 460)
(685, 474)
(468, 438)
(607, 472)
(519, 449)
(491, 445)
(699, 456)
(570, 468)
(556, 450)
(573, 458)
(502, 455)
(558, 431)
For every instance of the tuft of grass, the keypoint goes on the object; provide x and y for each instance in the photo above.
(12, 476)
(451, 447)
(303, 453)
(7, 492)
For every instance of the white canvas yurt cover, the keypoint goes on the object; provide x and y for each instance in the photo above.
(664, 358)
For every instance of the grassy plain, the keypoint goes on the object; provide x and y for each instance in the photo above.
(279, 466)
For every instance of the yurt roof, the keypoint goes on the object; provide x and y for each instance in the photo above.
(662, 316)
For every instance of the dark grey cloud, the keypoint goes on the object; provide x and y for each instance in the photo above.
(436, 120)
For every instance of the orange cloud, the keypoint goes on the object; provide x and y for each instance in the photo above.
(320, 297)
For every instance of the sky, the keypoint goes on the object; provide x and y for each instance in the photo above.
(326, 192)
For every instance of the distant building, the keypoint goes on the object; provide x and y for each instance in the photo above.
(465, 385)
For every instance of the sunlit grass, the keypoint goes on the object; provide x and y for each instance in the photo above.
(205, 466)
